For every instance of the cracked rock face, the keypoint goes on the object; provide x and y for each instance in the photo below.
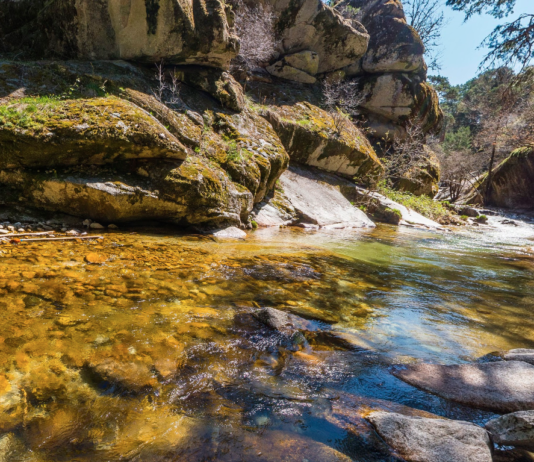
(179, 31)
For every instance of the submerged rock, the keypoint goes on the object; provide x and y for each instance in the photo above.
(418, 439)
(320, 203)
(230, 233)
(516, 429)
(504, 386)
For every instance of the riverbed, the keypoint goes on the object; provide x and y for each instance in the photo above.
(144, 346)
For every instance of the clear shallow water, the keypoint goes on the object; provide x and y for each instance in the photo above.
(154, 354)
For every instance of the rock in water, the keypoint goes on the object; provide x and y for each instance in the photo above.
(418, 439)
(506, 386)
(515, 429)
(230, 233)
(520, 354)
(320, 203)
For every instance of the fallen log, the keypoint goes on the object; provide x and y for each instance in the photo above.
(46, 239)
(45, 233)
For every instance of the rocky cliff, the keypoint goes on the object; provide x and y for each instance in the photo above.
(105, 139)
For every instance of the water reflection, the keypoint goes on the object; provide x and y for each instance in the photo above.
(152, 352)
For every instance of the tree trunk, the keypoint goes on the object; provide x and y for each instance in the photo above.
(490, 172)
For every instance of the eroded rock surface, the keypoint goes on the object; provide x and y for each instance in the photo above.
(311, 137)
(179, 31)
(504, 386)
(320, 203)
(419, 439)
(519, 354)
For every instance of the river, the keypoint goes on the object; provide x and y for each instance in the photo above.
(153, 352)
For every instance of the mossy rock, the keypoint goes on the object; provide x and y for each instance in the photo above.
(423, 177)
(512, 182)
(47, 132)
(311, 137)
(191, 192)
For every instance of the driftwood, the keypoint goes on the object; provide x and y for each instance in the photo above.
(61, 239)
(46, 233)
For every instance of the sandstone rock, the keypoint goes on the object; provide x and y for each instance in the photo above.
(217, 83)
(177, 31)
(394, 46)
(307, 61)
(320, 203)
(283, 70)
(310, 25)
(516, 429)
(418, 439)
(512, 184)
(193, 192)
(230, 233)
(114, 129)
(505, 386)
(519, 354)
(311, 137)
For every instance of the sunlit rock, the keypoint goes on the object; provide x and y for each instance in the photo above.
(418, 439)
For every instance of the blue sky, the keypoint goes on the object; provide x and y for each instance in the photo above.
(460, 57)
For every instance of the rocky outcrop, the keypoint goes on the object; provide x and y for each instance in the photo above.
(51, 134)
(419, 439)
(512, 182)
(505, 386)
(311, 137)
(516, 429)
(125, 156)
(178, 31)
(311, 26)
(392, 73)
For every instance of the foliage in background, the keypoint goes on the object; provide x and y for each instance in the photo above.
(510, 44)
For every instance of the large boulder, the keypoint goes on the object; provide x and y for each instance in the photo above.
(49, 133)
(394, 45)
(516, 429)
(318, 201)
(505, 386)
(179, 31)
(419, 439)
(311, 136)
(512, 182)
(311, 26)
(126, 156)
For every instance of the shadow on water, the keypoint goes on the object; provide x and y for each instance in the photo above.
(156, 353)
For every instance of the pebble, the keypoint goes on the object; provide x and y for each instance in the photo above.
(11, 228)
(21, 230)
(113, 227)
(96, 226)
(4, 231)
